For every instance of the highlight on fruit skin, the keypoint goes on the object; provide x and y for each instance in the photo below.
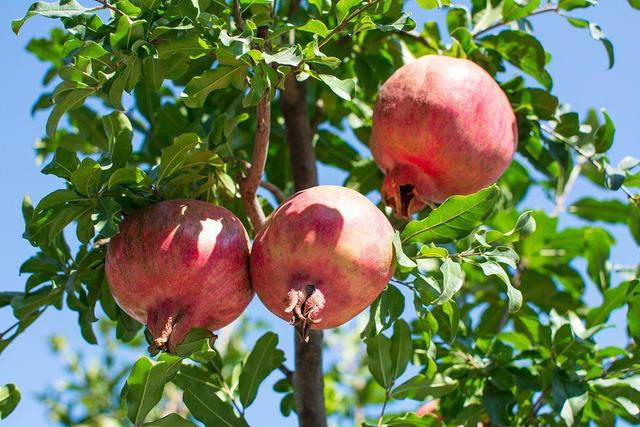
(324, 256)
(441, 126)
(178, 265)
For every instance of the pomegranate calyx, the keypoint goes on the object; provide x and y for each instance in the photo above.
(304, 304)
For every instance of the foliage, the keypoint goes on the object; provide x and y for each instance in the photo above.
(154, 99)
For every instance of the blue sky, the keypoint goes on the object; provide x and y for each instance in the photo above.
(579, 68)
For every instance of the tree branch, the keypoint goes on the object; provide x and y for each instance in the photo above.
(237, 15)
(249, 184)
(275, 190)
(346, 20)
(546, 9)
(308, 379)
(562, 197)
(106, 5)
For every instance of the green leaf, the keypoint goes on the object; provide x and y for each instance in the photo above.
(316, 27)
(191, 45)
(125, 80)
(522, 50)
(401, 348)
(209, 408)
(127, 33)
(512, 11)
(403, 23)
(119, 132)
(421, 387)
(612, 211)
(263, 359)
(344, 6)
(174, 156)
(569, 395)
(447, 316)
(198, 89)
(454, 219)
(433, 4)
(69, 100)
(380, 363)
(515, 296)
(63, 164)
(345, 89)
(171, 420)
(597, 248)
(106, 217)
(605, 134)
(58, 9)
(129, 178)
(86, 179)
(614, 298)
(9, 399)
(198, 339)
(145, 385)
(634, 4)
(575, 4)
(289, 56)
(452, 280)
(402, 260)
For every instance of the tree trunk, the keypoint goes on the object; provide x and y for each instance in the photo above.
(308, 379)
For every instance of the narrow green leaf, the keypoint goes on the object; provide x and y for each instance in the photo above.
(401, 348)
(316, 27)
(9, 399)
(515, 296)
(146, 383)
(454, 219)
(263, 359)
(209, 408)
(174, 156)
(198, 89)
(344, 6)
(421, 387)
(380, 363)
(69, 100)
(452, 280)
(63, 163)
(605, 134)
(58, 9)
(345, 89)
(612, 211)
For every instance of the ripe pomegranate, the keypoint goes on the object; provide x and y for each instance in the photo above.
(324, 255)
(441, 126)
(180, 264)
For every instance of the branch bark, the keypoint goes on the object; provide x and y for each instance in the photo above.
(308, 380)
(249, 185)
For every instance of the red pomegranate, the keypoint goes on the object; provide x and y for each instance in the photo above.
(324, 255)
(441, 126)
(180, 264)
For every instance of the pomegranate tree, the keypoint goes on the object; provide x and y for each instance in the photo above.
(441, 126)
(324, 255)
(180, 264)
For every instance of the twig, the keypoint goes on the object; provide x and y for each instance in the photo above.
(562, 197)
(288, 373)
(106, 5)
(384, 406)
(538, 403)
(237, 15)
(549, 8)
(249, 184)
(346, 20)
(599, 167)
(275, 190)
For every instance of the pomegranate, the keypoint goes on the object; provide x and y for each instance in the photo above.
(324, 255)
(441, 126)
(180, 264)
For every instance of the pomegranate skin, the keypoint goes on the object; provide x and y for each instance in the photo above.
(441, 126)
(180, 264)
(332, 239)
